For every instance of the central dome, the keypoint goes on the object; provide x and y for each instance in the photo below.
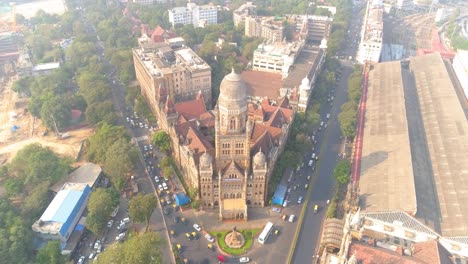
(233, 91)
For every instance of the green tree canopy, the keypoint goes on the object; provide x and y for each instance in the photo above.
(119, 160)
(102, 140)
(51, 254)
(35, 164)
(342, 172)
(100, 206)
(141, 207)
(162, 140)
(142, 248)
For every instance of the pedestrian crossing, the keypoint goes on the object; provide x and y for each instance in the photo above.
(142, 138)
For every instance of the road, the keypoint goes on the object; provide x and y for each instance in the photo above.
(323, 186)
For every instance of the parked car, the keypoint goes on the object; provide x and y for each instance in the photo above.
(81, 260)
(244, 260)
(209, 238)
(96, 244)
(110, 223)
(197, 227)
(291, 218)
(120, 236)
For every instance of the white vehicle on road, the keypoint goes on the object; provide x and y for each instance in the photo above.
(197, 227)
(244, 260)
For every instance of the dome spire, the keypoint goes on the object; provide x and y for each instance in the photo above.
(232, 70)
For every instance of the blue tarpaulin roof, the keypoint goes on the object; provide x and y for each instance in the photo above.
(79, 227)
(278, 196)
(181, 199)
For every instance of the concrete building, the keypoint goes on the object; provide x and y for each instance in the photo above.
(277, 57)
(198, 16)
(245, 10)
(443, 14)
(63, 213)
(313, 28)
(412, 176)
(460, 66)
(169, 73)
(268, 28)
(370, 46)
(404, 4)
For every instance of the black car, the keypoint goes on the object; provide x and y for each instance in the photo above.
(176, 219)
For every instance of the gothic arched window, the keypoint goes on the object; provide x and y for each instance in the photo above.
(232, 124)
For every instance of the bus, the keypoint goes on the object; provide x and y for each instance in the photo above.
(265, 233)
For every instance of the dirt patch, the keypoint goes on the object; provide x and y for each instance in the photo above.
(65, 147)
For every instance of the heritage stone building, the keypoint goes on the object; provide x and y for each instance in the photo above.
(228, 154)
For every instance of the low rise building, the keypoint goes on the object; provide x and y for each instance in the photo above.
(245, 10)
(370, 46)
(313, 28)
(277, 57)
(63, 213)
(195, 15)
(268, 28)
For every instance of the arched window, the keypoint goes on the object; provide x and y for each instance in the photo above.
(232, 124)
(239, 195)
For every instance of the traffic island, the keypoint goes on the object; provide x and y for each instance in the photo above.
(240, 241)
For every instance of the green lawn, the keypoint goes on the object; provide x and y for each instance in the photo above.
(248, 236)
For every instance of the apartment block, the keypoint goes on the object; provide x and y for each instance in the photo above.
(198, 16)
(268, 28)
(245, 10)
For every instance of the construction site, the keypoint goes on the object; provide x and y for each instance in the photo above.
(18, 127)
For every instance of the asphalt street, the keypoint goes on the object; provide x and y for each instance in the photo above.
(323, 186)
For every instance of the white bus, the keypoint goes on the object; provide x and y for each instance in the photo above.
(265, 233)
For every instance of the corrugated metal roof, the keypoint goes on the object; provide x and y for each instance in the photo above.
(61, 206)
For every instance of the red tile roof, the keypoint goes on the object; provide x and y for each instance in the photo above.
(431, 252)
(261, 84)
(191, 109)
(366, 254)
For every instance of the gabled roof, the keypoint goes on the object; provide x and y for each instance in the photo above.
(233, 166)
(196, 142)
(191, 109)
(402, 218)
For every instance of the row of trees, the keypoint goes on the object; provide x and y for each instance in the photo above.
(348, 114)
(453, 32)
(304, 123)
(27, 180)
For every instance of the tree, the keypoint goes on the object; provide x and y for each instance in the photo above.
(35, 164)
(162, 140)
(142, 248)
(119, 160)
(54, 112)
(342, 172)
(101, 141)
(141, 208)
(100, 111)
(51, 254)
(103, 201)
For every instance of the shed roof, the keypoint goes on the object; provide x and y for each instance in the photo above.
(386, 175)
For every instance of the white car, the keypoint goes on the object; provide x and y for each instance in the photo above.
(291, 218)
(313, 156)
(145, 147)
(160, 187)
(285, 203)
(156, 178)
(310, 163)
(110, 223)
(81, 260)
(120, 236)
(125, 220)
(244, 260)
(209, 238)
(96, 245)
(165, 186)
(299, 200)
(197, 227)
(91, 256)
